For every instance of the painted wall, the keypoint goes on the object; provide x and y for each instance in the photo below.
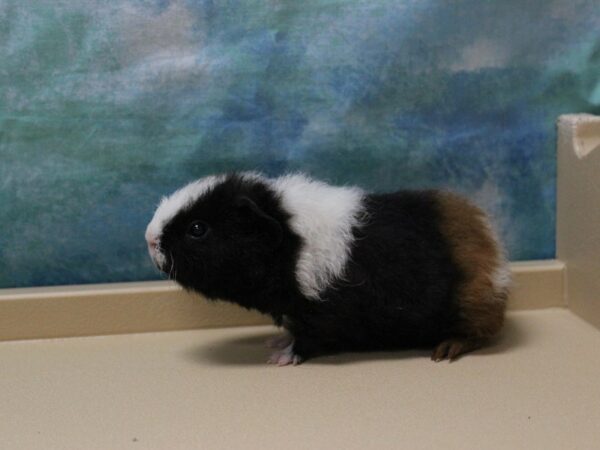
(107, 105)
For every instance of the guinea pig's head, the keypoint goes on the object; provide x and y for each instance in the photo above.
(220, 236)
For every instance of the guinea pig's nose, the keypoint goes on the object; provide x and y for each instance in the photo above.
(152, 243)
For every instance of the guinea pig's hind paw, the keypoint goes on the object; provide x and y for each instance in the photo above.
(285, 356)
(451, 349)
(279, 342)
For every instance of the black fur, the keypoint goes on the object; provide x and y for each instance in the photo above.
(398, 289)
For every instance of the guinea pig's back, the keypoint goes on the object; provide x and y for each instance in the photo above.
(434, 265)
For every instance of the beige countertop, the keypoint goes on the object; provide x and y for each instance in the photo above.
(538, 388)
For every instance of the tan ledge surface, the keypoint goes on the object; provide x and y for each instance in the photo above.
(210, 389)
(34, 313)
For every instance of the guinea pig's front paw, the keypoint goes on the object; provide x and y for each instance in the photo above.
(285, 356)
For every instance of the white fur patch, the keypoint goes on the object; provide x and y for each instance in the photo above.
(501, 276)
(323, 216)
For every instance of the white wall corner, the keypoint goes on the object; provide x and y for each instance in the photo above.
(579, 132)
(578, 212)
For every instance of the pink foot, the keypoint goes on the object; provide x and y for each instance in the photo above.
(285, 356)
(279, 342)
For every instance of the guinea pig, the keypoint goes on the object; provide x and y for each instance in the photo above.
(338, 268)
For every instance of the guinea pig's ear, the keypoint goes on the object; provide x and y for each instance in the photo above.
(267, 223)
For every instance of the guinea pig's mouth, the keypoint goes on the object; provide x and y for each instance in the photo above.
(158, 258)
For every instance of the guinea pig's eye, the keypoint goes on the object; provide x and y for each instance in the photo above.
(197, 229)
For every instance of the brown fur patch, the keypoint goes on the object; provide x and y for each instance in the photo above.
(478, 256)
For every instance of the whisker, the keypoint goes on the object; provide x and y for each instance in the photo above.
(172, 268)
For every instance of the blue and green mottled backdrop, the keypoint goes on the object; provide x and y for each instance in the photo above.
(107, 105)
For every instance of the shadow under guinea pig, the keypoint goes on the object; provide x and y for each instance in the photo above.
(251, 350)
(241, 350)
(511, 336)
